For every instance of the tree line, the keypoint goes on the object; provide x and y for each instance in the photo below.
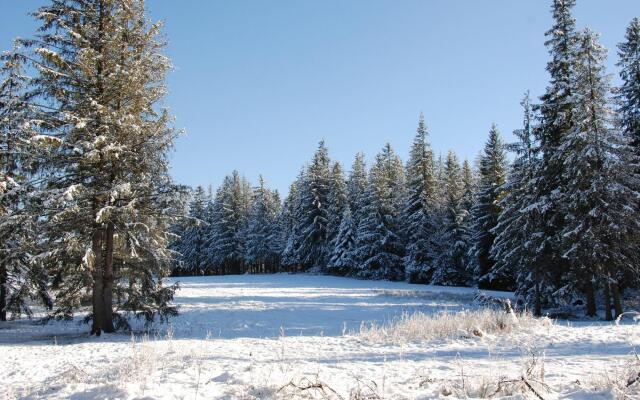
(90, 218)
(558, 224)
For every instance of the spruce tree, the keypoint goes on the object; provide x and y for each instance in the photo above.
(452, 266)
(338, 202)
(109, 200)
(259, 249)
(629, 92)
(556, 120)
(420, 210)
(20, 279)
(512, 250)
(469, 189)
(275, 240)
(356, 188)
(291, 214)
(493, 169)
(228, 231)
(600, 193)
(343, 260)
(193, 260)
(313, 213)
(379, 244)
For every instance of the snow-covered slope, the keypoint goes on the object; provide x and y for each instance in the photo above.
(290, 336)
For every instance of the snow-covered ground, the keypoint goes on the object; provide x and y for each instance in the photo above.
(305, 336)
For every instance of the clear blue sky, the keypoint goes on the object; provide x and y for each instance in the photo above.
(258, 83)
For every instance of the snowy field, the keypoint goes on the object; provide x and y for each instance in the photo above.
(304, 336)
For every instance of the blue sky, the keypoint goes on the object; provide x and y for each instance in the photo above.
(258, 83)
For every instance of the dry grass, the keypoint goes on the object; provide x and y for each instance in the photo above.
(465, 324)
(622, 382)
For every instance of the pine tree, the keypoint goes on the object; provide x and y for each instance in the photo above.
(343, 260)
(629, 92)
(228, 231)
(469, 189)
(289, 225)
(512, 249)
(108, 198)
(259, 250)
(493, 167)
(600, 192)
(453, 263)
(193, 243)
(275, 240)
(420, 210)
(356, 186)
(379, 247)
(555, 115)
(313, 193)
(338, 202)
(356, 190)
(20, 280)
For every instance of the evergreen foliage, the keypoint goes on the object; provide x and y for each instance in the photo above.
(420, 214)
(487, 208)
(379, 244)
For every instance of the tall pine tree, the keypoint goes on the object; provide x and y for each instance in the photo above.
(512, 248)
(556, 120)
(379, 243)
(599, 196)
(453, 262)
(338, 203)
(487, 208)
(420, 210)
(230, 221)
(313, 213)
(108, 198)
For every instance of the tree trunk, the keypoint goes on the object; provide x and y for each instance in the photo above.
(607, 300)
(538, 301)
(108, 281)
(3, 292)
(98, 288)
(591, 299)
(617, 302)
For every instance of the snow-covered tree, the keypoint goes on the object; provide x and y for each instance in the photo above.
(512, 248)
(313, 213)
(420, 214)
(469, 189)
(230, 221)
(343, 260)
(261, 253)
(555, 116)
(192, 247)
(452, 267)
(487, 208)
(356, 187)
(107, 197)
(629, 92)
(20, 279)
(338, 203)
(289, 226)
(379, 243)
(599, 195)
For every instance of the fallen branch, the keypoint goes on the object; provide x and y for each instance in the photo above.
(306, 385)
(531, 388)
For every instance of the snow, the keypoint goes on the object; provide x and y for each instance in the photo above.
(246, 337)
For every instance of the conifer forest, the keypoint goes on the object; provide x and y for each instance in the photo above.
(514, 274)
